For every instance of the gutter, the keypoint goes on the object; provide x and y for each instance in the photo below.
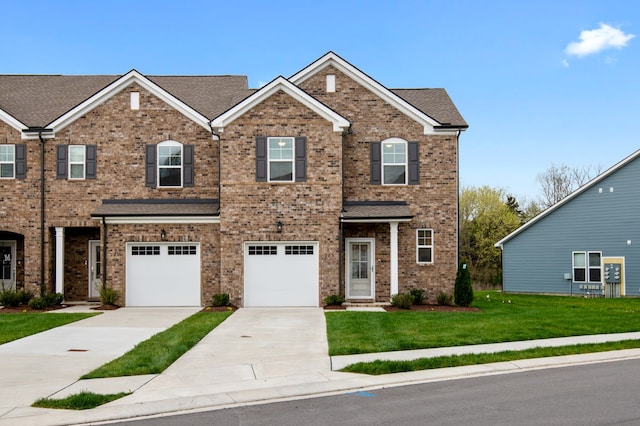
(41, 130)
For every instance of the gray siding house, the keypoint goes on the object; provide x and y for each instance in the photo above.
(583, 243)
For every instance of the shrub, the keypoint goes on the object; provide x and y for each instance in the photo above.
(463, 292)
(38, 303)
(418, 295)
(444, 299)
(334, 300)
(53, 299)
(10, 298)
(221, 299)
(25, 296)
(402, 300)
(108, 296)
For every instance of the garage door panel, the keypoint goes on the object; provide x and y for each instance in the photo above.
(281, 274)
(163, 275)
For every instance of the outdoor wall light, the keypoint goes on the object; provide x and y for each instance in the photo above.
(279, 226)
(163, 235)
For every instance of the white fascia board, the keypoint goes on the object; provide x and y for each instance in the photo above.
(114, 88)
(592, 183)
(374, 220)
(141, 220)
(370, 84)
(339, 122)
(12, 121)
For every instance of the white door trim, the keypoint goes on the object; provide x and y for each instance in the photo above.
(94, 291)
(371, 266)
(12, 244)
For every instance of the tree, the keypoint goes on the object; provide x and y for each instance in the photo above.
(557, 182)
(486, 216)
(463, 292)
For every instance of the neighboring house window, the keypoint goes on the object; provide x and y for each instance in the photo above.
(587, 266)
(395, 161)
(169, 164)
(76, 162)
(7, 161)
(424, 245)
(281, 159)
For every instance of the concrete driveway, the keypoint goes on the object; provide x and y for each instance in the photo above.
(42, 364)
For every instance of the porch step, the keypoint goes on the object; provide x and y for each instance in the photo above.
(365, 304)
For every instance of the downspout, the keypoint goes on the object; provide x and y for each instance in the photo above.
(43, 289)
(216, 137)
(458, 197)
(104, 254)
(341, 289)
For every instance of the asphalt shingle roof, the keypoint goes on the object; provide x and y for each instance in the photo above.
(436, 103)
(148, 207)
(376, 210)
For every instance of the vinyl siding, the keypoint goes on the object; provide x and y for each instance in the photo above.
(536, 260)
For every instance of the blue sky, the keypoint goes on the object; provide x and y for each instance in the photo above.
(539, 81)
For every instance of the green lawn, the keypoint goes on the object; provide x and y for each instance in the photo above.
(17, 326)
(158, 352)
(503, 318)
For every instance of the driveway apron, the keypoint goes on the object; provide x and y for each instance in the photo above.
(40, 365)
(253, 348)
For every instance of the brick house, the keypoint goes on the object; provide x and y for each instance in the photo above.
(170, 189)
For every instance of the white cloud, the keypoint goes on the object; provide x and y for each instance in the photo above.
(565, 63)
(595, 41)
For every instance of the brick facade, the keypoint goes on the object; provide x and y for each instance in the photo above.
(337, 170)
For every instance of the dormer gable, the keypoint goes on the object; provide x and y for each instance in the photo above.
(280, 84)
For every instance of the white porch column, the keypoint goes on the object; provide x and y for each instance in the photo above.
(60, 260)
(394, 257)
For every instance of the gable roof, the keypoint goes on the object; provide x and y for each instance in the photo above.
(593, 182)
(423, 99)
(41, 100)
(280, 83)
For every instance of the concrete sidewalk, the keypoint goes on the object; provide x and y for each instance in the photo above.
(268, 355)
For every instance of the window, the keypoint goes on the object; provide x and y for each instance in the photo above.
(281, 159)
(263, 250)
(145, 250)
(170, 164)
(7, 161)
(394, 163)
(298, 250)
(424, 245)
(76, 161)
(182, 250)
(587, 266)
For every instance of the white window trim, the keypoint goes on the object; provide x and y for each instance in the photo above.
(159, 166)
(292, 161)
(587, 267)
(13, 163)
(83, 163)
(419, 246)
(406, 160)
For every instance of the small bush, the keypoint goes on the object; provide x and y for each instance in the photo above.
(38, 303)
(53, 299)
(444, 299)
(221, 299)
(9, 298)
(463, 292)
(418, 295)
(334, 300)
(108, 296)
(25, 296)
(402, 300)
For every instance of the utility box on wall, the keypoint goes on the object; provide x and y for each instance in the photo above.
(612, 279)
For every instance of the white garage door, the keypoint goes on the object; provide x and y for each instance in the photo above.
(281, 274)
(163, 274)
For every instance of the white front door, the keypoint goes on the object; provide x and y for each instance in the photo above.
(360, 268)
(95, 268)
(7, 264)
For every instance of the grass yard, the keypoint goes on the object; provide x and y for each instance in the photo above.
(17, 326)
(503, 318)
(158, 352)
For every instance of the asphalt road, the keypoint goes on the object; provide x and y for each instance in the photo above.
(596, 394)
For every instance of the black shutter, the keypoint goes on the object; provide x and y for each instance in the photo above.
(151, 166)
(261, 159)
(91, 154)
(61, 161)
(301, 159)
(414, 164)
(376, 163)
(21, 161)
(187, 166)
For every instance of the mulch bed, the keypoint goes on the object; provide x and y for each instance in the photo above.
(422, 308)
(219, 308)
(26, 309)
